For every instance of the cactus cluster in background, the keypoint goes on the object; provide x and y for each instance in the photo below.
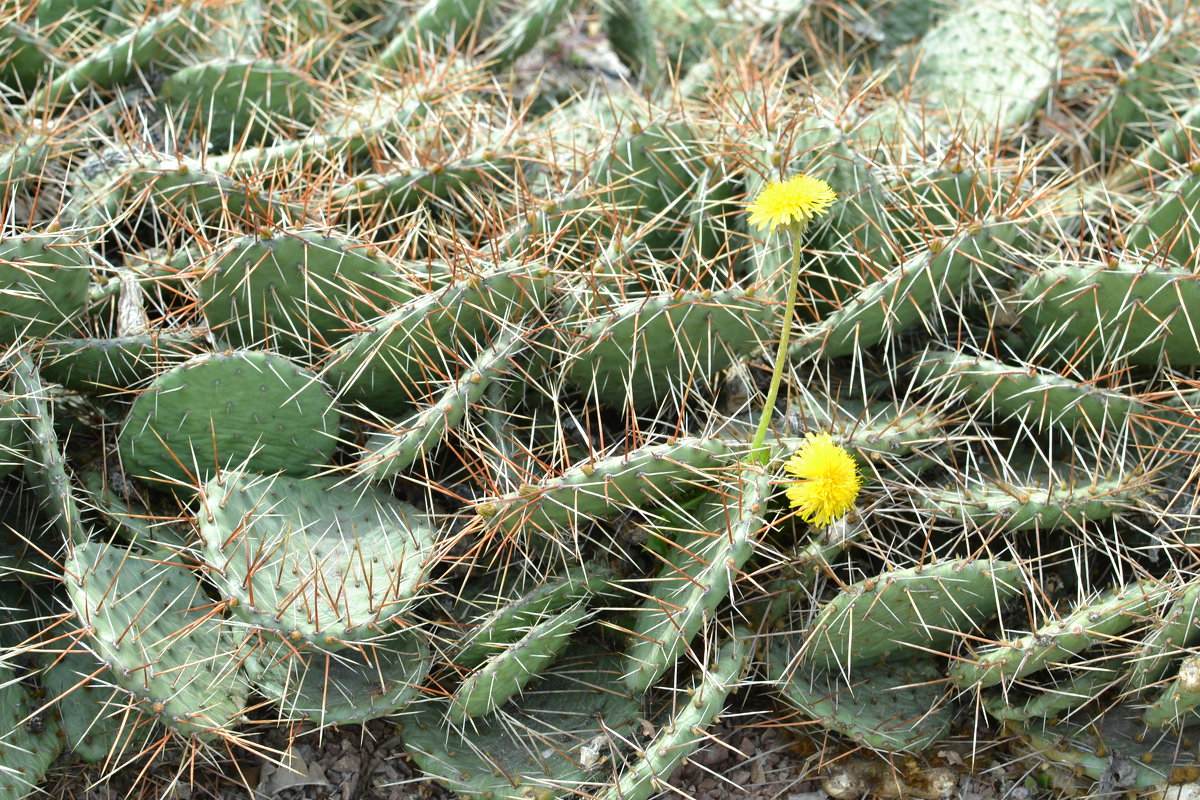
(362, 359)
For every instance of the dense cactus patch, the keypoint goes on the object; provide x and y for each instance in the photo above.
(367, 360)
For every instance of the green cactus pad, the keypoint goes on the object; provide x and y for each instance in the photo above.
(939, 200)
(1176, 704)
(1126, 311)
(1092, 747)
(513, 617)
(289, 155)
(300, 291)
(809, 559)
(13, 436)
(878, 434)
(1172, 146)
(242, 409)
(856, 242)
(98, 720)
(644, 351)
(372, 196)
(685, 729)
(128, 519)
(29, 739)
(1049, 703)
(228, 102)
(46, 466)
(186, 188)
(1028, 394)
(408, 354)
(712, 211)
(986, 63)
(646, 180)
(1167, 227)
(896, 706)
(434, 24)
(550, 741)
(628, 29)
(115, 365)
(1178, 630)
(705, 557)
(389, 452)
(926, 607)
(507, 671)
(646, 476)
(1091, 623)
(527, 25)
(1038, 503)
(151, 621)
(26, 155)
(136, 51)
(909, 294)
(313, 559)
(1144, 78)
(179, 187)
(23, 55)
(43, 284)
(348, 687)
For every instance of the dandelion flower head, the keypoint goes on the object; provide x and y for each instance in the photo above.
(828, 480)
(791, 204)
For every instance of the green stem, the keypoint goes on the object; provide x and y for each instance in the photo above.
(757, 451)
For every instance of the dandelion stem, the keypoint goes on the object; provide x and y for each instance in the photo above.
(758, 452)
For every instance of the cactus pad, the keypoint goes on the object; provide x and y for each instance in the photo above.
(302, 291)
(1091, 747)
(151, 621)
(311, 559)
(896, 706)
(232, 101)
(647, 178)
(645, 476)
(513, 617)
(1039, 502)
(409, 353)
(906, 295)
(508, 670)
(1050, 702)
(987, 62)
(704, 559)
(684, 730)
(925, 607)
(12, 433)
(95, 365)
(98, 720)
(1128, 311)
(1178, 629)
(643, 351)
(244, 409)
(29, 740)
(343, 688)
(1090, 623)
(392, 451)
(1176, 704)
(43, 284)
(1033, 395)
(547, 742)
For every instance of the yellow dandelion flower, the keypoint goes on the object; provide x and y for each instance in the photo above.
(829, 480)
(791, 204)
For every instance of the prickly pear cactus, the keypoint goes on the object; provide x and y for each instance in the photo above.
(456, 363)
(241, 409)
(312, 560)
